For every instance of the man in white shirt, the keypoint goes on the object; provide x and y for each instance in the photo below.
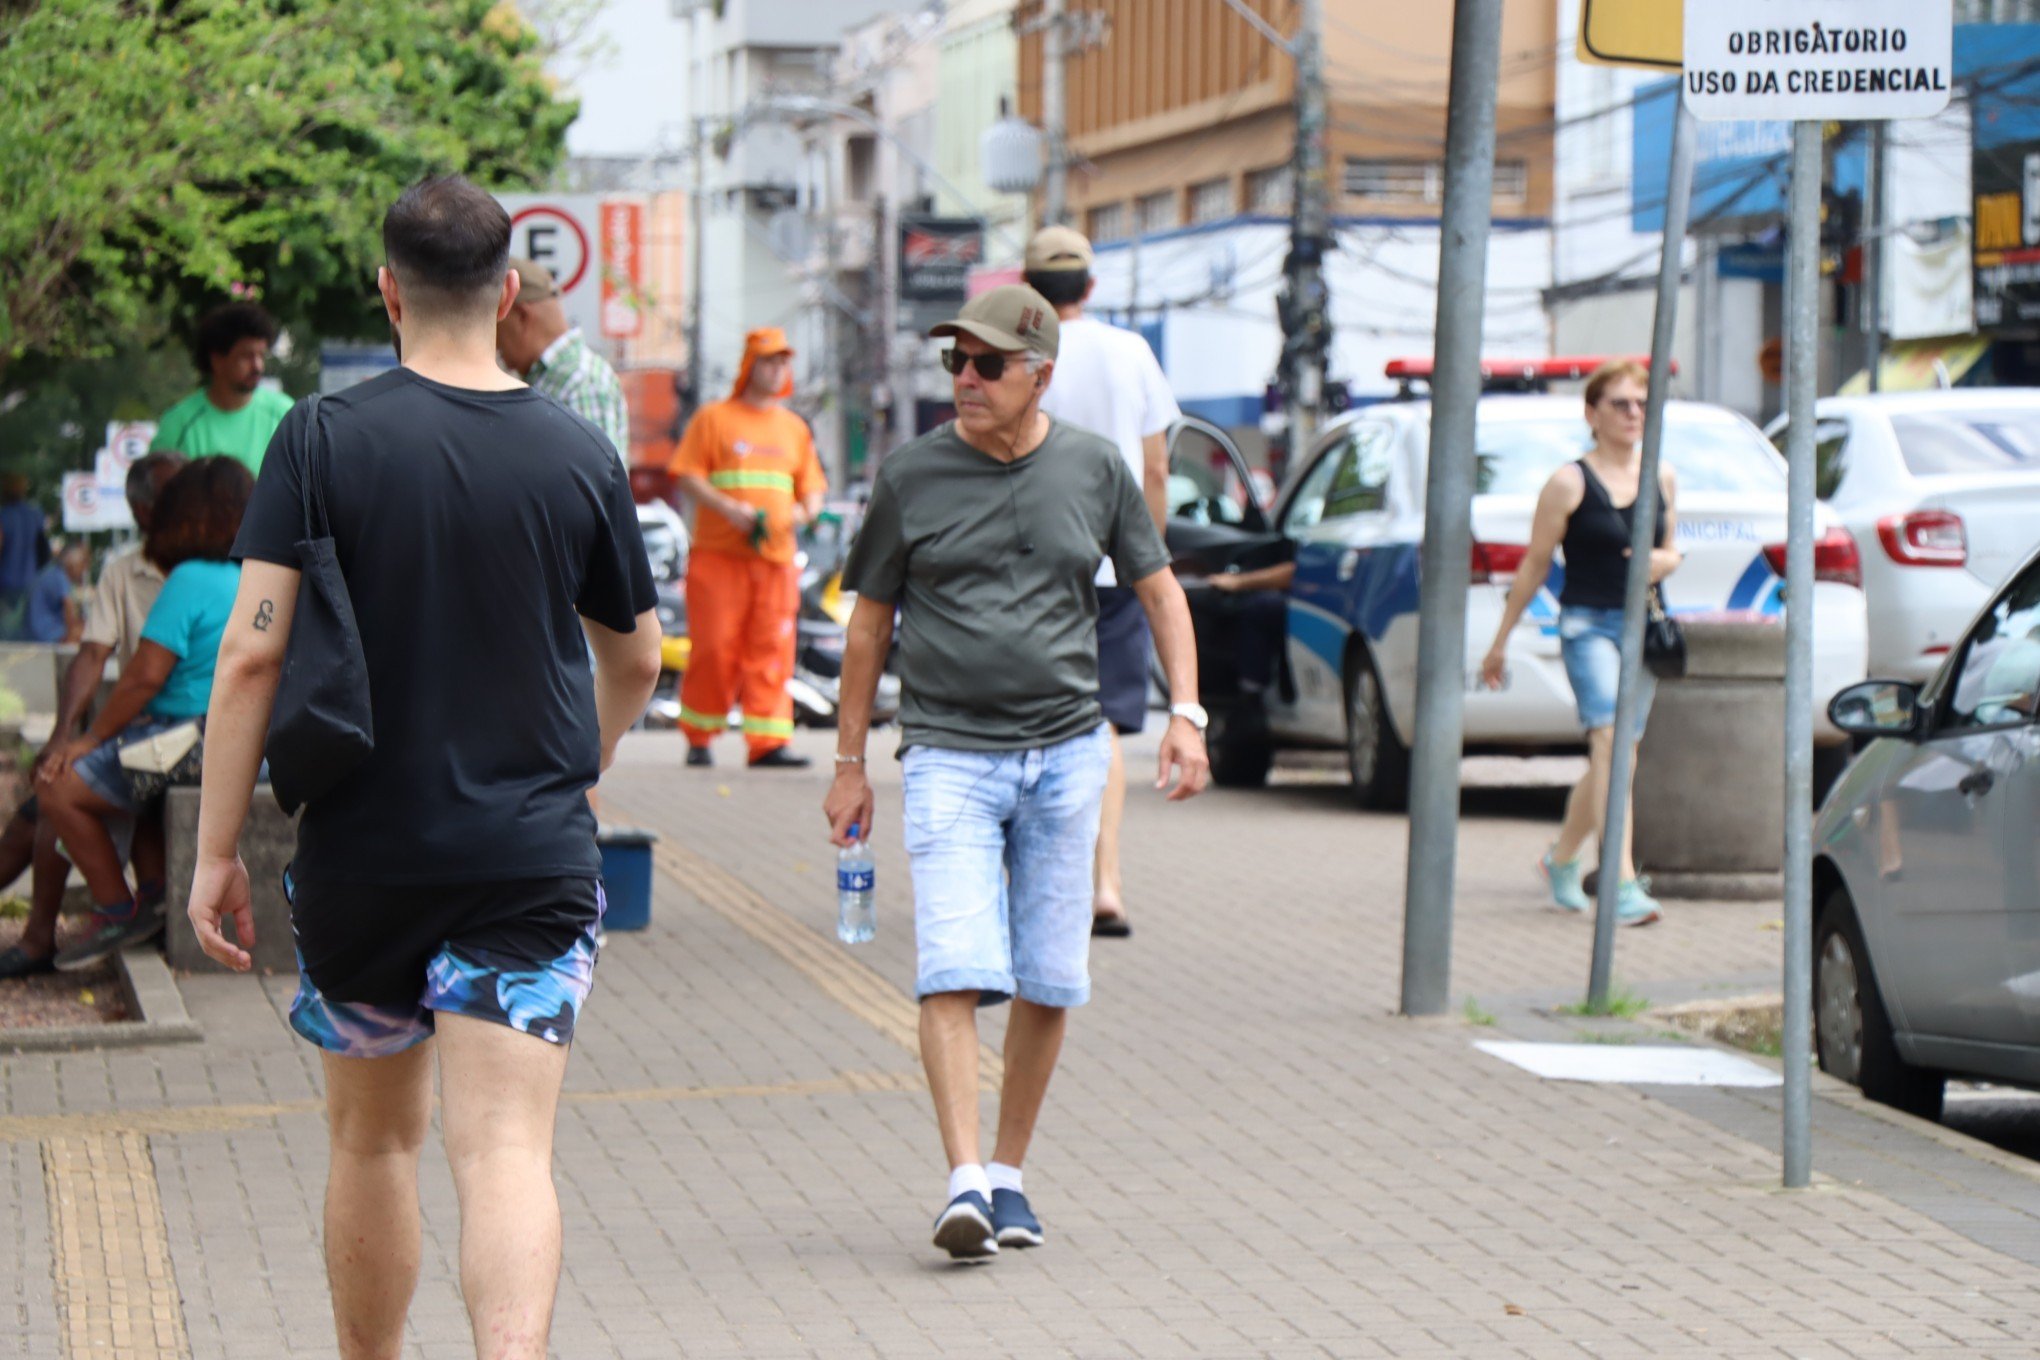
(1107, 381)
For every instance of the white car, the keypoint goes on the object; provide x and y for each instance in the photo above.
(666, 539)
(1354, 514)
(1942, 489)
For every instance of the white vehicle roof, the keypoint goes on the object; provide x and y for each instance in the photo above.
(1945, 399)
(1505, 407)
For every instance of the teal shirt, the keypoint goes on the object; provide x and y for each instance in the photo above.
(196, 428)
(188, 619)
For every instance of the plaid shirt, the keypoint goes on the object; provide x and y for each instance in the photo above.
(582, 381)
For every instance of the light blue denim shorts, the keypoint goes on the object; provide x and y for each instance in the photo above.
(1001, 844)
(1590, 642)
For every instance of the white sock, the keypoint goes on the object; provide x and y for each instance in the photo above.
(1003, 1177)
(970, 1176)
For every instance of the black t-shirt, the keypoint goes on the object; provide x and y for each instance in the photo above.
(475, 531)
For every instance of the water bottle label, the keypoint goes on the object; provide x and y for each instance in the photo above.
(855, 880)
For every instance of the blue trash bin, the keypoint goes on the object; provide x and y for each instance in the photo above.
(627, 875)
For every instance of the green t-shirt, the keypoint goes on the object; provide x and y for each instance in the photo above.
(196, 428)
(992, 566)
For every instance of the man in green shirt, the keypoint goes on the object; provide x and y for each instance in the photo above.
(986, 535)
(233, 414)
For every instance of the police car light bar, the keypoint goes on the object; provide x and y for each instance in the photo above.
(1518, 375)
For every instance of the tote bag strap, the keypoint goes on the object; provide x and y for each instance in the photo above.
(313, 484)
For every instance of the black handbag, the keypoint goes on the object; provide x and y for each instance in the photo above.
(1664, 642)
(321, 726)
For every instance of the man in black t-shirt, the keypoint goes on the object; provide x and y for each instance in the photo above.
(448, 888)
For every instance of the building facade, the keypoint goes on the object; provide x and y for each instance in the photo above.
(1181, 119)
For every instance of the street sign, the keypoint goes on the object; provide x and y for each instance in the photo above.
(1649, 33)
(594, 247)
(1819, 60)
(128, 442)
(623, 271)
(90, 506)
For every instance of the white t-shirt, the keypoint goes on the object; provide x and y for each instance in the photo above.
(1107, 381)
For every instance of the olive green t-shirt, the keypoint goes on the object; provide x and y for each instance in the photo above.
(196, 428)
(991, 564)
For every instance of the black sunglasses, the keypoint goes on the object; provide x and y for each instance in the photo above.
(991, 365)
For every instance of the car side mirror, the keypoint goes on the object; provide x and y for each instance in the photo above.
(1877, 708)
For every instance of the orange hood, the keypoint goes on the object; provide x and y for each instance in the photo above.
(765, 341)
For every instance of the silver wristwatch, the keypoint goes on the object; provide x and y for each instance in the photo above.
(1193, 714)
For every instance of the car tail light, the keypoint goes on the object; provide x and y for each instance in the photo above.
(1492, 560)
(1925, 538)
(1835, 558)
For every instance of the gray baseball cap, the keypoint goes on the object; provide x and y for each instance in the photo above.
(1011, 318)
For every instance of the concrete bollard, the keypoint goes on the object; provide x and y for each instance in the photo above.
(1710, 784)
(267, 843)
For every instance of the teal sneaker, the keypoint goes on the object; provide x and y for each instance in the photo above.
(1565, 882)
(1634, 906)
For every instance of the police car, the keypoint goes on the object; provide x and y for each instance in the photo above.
(1352, 516)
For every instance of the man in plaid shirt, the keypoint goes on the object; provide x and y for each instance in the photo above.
(540, 347)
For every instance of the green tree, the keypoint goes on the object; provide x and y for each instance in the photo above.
(163, 154)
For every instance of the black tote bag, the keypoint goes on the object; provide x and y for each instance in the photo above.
(321, 727)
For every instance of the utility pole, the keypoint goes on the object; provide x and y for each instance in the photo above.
(1303, 307)
(695, 217)
(1448, 508)
(1055, 112)
(1873, 255)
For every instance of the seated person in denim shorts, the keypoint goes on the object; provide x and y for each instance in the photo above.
(985, 534)
(168, 682)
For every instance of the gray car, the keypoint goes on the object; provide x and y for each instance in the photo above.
(1927, 870)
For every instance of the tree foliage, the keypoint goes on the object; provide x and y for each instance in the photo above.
(163, 154)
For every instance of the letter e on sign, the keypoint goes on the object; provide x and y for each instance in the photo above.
(1819, 60)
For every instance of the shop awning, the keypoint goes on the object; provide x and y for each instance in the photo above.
(1922, 365)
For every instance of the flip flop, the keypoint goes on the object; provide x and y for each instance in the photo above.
(1111, 927)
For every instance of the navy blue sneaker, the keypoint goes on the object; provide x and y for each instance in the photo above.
(965, 1228)
(1013, 1223)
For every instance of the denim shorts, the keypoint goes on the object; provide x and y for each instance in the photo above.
(1001, 844)
(99, 769)
(1590, 641)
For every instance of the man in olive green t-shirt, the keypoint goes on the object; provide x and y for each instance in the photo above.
(985, 536)
(233, 414)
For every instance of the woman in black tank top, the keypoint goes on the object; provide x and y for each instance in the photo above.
(1587, 509)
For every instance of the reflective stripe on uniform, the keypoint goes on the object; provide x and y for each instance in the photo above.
(701, 721)
(753, 481)
(768, 727)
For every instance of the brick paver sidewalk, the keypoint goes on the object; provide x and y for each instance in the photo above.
(1245, 1154)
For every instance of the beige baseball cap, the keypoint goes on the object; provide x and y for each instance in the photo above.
(1011, 318)
(536, 281)
(1057, 248)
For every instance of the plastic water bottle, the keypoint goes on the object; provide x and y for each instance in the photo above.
(856, 911)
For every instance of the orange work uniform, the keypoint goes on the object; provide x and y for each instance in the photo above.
(742, 600)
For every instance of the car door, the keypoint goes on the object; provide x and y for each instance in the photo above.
(1216, 524)
(1336, 518)
(1957, 861)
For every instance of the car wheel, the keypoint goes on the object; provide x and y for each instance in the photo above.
(1375, 758)
(1852, 1031)
(1241, 753)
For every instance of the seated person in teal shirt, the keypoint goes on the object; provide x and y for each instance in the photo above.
(169, 681)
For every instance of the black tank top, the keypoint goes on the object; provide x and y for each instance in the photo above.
(1596, 537)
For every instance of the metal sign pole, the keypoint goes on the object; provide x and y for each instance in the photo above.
(1448, 507)
(1642, 538)
(1802, 360)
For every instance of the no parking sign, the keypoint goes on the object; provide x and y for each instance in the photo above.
(592, 245)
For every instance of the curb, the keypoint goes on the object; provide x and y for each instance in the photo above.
(152, 997)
